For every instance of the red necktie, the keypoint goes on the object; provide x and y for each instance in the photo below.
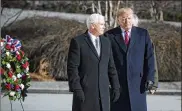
(126, 38)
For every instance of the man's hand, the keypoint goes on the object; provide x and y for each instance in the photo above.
(153, 90)
(115, 94)
(79, 95)
(150, 86)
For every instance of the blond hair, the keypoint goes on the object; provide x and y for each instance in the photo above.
(124, 10)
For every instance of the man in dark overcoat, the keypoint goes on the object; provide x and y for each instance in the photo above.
(134, 60)
(91, 69)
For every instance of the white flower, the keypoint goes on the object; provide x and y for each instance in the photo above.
(22, 86)
(2, 43)
(27, 69)
(4, 80)
(19, 75)
(17, 52)
(12, 93)
(7, 53)
(11, 50)
(8, 65)
(14, 77)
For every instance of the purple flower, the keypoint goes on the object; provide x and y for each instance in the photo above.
(18, 90)
(12, 86)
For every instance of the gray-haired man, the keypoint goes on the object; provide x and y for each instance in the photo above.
(91, 68)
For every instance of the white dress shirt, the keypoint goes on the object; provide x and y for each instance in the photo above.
(93, 38)
(123, 33)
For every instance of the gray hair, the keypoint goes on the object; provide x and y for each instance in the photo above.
(94, 18)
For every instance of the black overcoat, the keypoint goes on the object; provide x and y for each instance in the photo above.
(91, 73)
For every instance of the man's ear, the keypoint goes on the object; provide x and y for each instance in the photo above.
(92, 26)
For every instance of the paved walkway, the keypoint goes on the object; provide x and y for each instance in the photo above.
(54, 96)
(165, 88)
(63, 102)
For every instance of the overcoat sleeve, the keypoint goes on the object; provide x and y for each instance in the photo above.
(149, 58)
(73, 63)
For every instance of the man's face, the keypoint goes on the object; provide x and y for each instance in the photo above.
(99, 27)
(125, 20)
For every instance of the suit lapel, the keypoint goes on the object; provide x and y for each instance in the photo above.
(132, 38)
(119, 39)
(90, 44)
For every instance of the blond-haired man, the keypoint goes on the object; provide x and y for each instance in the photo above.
(134, 60)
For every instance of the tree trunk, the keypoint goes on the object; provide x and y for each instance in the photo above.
(99, 8)
(161, 15)
(106, 14)
(155, 6)
(151, 10)
(115, 20)
(110, 13)
(93, 7)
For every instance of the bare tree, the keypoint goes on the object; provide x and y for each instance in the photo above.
(156, 10)
(152, 10)
(99, 7)
(93, 7)
(109, 9)
(116, 11)
(106, 13)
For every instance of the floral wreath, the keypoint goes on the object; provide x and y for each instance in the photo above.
(14, 70)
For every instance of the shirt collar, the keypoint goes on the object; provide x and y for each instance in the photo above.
(124, 30)
(93, 37)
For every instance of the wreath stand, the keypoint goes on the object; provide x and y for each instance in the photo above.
(20, 103)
